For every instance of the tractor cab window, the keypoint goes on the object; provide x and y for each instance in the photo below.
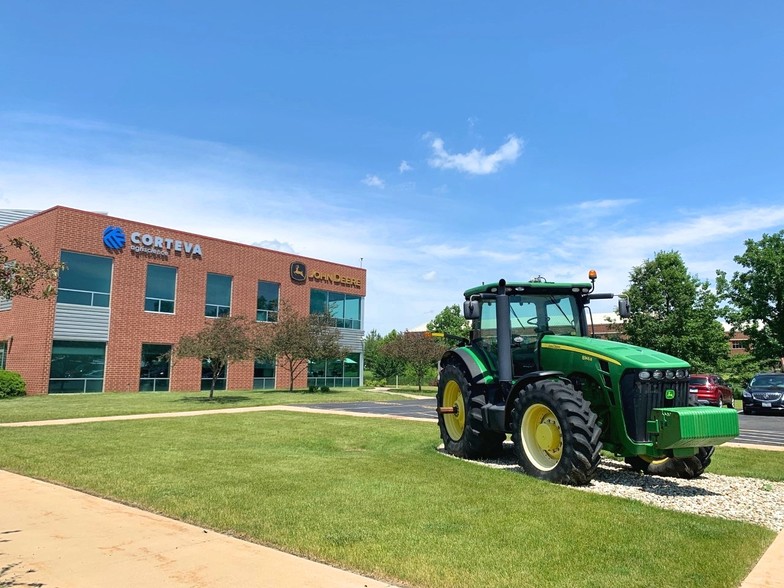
(562, 313)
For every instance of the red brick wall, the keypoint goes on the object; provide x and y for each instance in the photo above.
(31, 322)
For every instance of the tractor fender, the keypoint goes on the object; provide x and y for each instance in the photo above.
(476, 371)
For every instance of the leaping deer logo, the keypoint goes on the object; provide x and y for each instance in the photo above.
(297, 272)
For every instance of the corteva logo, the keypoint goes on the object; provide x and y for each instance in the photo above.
(151, 245)
(114, 238)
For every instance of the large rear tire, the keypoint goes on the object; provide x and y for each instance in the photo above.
(555, 433)
(463, 431)
(687, 468)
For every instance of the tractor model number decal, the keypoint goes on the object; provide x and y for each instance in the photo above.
(583, 352)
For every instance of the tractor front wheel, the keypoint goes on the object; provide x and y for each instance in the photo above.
(462, 430)
(555, 433)
(687, 468)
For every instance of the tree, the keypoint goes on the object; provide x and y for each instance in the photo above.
(755, 296)
(220, 342)
(36, 278)
(451, 322)
(382, 366)
(675, 313)
(417, 351)
(296, 339)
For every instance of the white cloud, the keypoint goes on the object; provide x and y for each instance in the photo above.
(475, 161)
(373, 181)
(404, 167)
(215, 190)
(275, 245)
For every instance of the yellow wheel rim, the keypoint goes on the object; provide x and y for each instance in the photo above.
(542, 437)
(453, 398)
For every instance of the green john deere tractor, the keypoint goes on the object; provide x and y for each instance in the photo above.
(531, 368)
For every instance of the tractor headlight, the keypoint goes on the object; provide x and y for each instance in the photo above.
(669, 374)
(681, 374)
(658, 374)
(644, 375)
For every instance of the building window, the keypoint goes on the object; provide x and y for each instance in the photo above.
(206, 376)
(86, 279)
(267, 302)
(218, 302)
(263, 374)
(343, 308)
(161, 284)
(77, 366)
(154, 374)
(738, 344)
(3, 353)
(341, 373)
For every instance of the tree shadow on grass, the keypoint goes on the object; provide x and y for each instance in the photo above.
(214, 401)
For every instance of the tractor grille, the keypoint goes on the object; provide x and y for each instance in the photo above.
(639, 398)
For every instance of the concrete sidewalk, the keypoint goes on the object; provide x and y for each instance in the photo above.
(54, 537)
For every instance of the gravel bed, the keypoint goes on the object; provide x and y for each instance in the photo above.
(743, 499)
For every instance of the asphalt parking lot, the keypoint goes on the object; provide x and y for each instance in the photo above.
(754, 429)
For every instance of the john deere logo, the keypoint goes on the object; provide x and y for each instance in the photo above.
(669, 394)
(114, 238)
(298, 272)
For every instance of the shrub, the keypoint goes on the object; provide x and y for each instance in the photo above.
(324, 389)
(313, 388)
(11, 384)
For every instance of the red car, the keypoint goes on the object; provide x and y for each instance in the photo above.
(711, 389)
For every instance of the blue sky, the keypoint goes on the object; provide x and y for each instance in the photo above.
(442, 143)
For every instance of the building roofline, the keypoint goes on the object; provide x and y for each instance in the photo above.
(105, 215)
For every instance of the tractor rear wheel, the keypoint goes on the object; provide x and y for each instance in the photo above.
(463, 431)
(687, 468)
(555, 433)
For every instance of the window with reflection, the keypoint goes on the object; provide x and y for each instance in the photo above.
(267, 302)
(206, 376)
(86, 279)
(263, 374)
(341, 372)
(154, 373)
(218, 301)
(161, 285)
(345, 309)
(77, 366)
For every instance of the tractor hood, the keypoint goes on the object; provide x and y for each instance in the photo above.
(629, 356)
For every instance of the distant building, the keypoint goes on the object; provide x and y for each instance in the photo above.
(131, 290)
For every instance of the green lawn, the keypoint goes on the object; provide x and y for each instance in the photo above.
(63, 406)
(375, 497)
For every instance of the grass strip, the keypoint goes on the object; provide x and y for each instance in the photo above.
(375, 497)
(65, 406)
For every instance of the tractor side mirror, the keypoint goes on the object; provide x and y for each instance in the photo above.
(471, 309)
(623, 308)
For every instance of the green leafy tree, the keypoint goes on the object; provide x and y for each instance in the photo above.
(35, 278)
(451, 322)
(675, 313)
(417, 351)
(755, 296)
(220, 342)
(382, 366)
(295, 339)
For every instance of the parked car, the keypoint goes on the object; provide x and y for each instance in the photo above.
(765, 393)
(711, 389)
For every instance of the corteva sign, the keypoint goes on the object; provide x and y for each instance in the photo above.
(146, 244)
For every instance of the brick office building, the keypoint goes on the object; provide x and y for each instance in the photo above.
(131, 290)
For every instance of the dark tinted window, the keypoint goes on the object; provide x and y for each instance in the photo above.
(698, 381)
